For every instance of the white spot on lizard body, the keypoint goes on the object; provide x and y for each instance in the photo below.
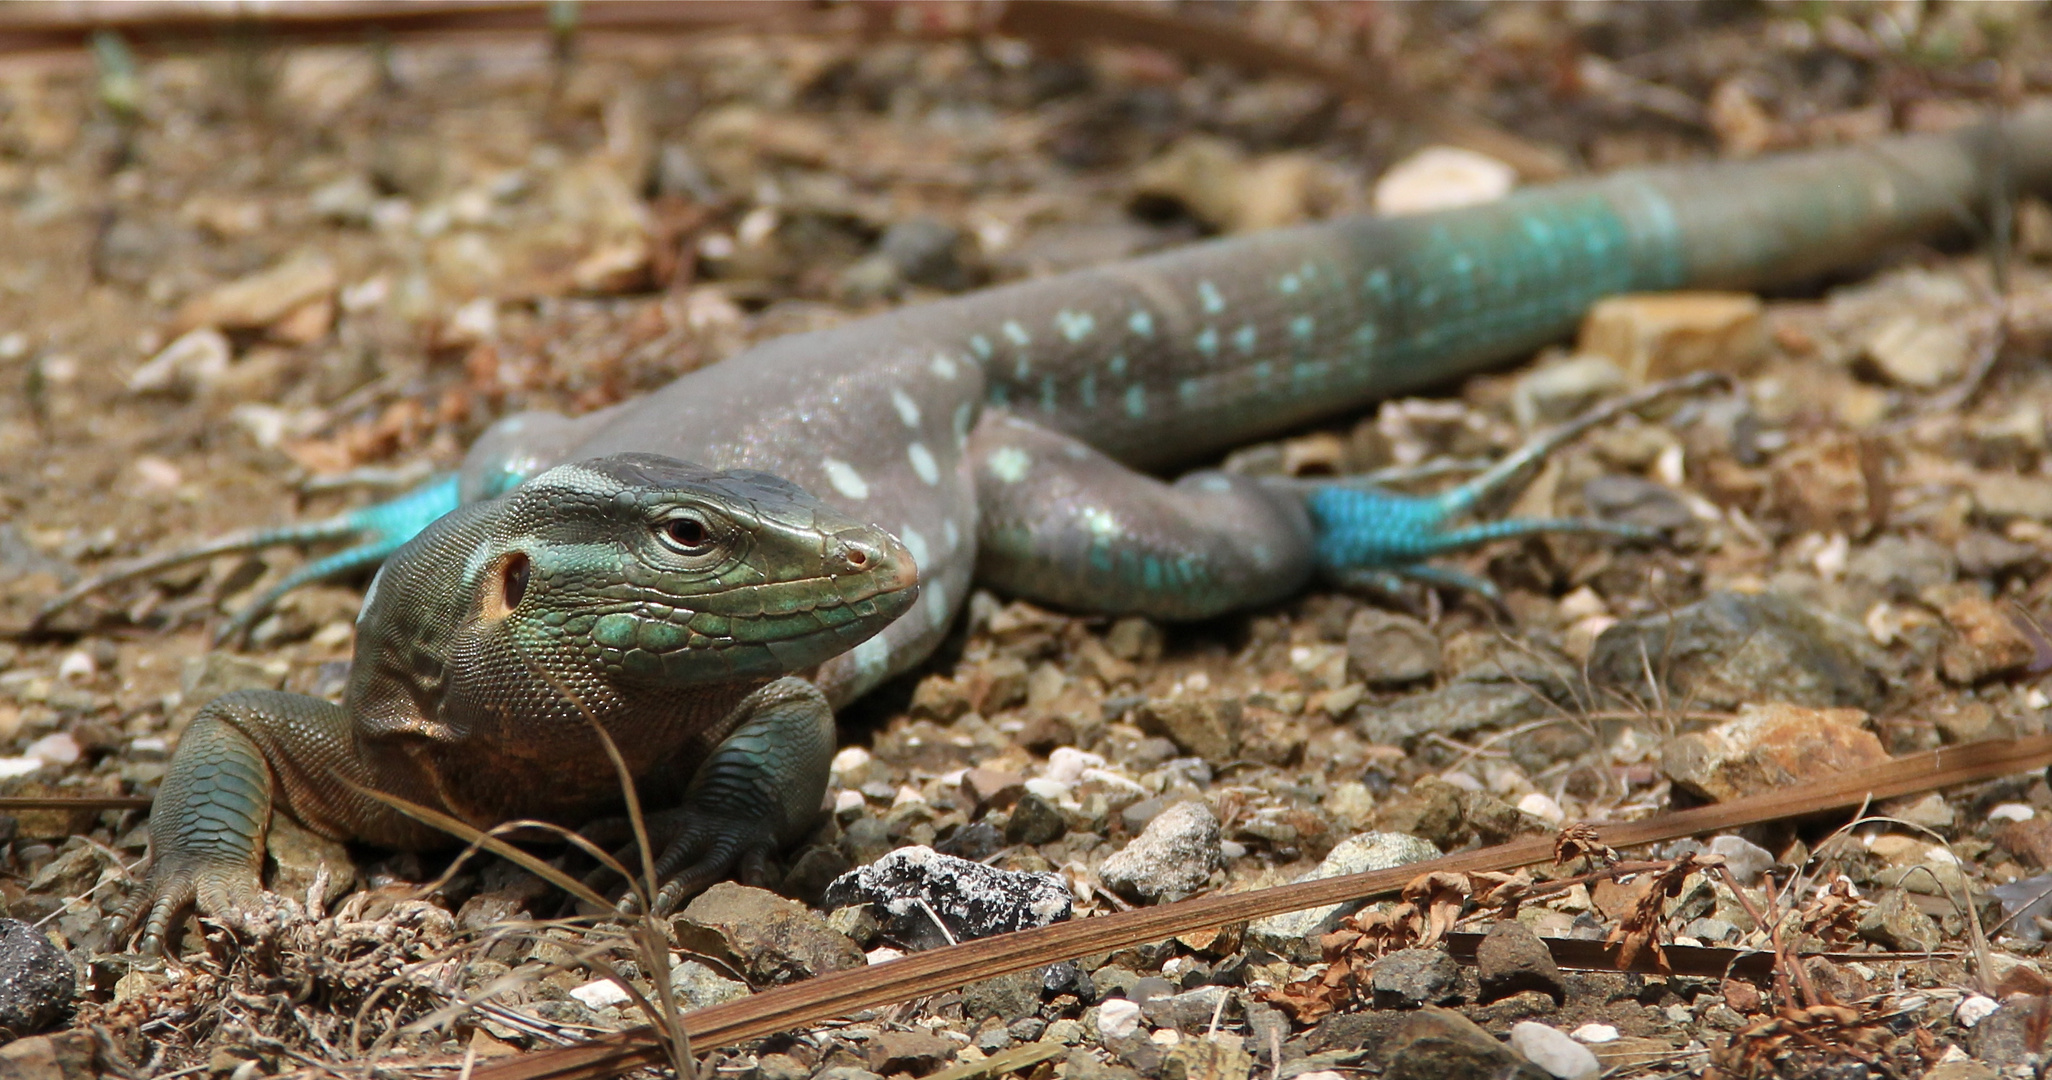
(944, 365)
(844, 478)
(908, 409)
(936, 601)
(872, 657)
(915, 543)
(923, 463)
(1010, 464)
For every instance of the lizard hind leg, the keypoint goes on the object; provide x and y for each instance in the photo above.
(1366, 534)
(1062, 523)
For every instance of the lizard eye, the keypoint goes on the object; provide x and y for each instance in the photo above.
(687, 535)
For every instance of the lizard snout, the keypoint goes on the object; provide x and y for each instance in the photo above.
(873, 554)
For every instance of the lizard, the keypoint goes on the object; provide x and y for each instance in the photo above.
(1002, 438)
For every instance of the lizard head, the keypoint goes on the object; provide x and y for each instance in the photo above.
(645, 568)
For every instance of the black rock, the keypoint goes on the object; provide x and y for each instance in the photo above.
(911, 887)
(37, 982)
(1412, 978)
(1035, 821)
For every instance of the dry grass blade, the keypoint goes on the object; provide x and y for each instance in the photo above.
(807, 1003)
(648, 931)
(490, 841)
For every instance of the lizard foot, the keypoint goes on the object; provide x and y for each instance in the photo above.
(227, 892)
(695, 849)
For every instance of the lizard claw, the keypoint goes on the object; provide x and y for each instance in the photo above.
(227, 894)
(695, 850)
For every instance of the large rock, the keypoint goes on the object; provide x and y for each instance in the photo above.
(1440, 1044)
(1171, 859)
(1771, 746)
(37, 982)
(1295, 933)
(1729, 648)
(911, 887)
(769, 938)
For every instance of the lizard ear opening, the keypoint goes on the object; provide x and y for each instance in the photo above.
(512, 582)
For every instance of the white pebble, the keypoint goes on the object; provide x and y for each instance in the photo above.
(2011, 811)
(849, 759)
(1049, 788)
(883, 954)
(1595, 1034)
(19, 766)
(1439, 178)
(1551, 1049)
(1542, 806)
(848, 801)
(76, 665)
(599, 993)
(1974, 1009)
(58, 749)
(1118, 1018)
(1067, 763)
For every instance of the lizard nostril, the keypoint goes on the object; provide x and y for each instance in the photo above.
(857, 558)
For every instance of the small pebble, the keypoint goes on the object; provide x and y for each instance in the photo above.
(599, 993)
(1974, 1009)
(1596, 1034)
(1118, 1019)
(57, 749)
(1543, 807)
(1551, 1049)
(2011, 811)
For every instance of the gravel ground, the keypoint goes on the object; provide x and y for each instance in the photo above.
(253, 284)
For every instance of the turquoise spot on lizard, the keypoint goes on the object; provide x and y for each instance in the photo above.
(1021, 368)
(1136, 401)
(1075, 325)
(980, 345)
(1207, 341)
(1016, 334)
(1365, 335)
(1245, 338)
(1141, 323)
(1377, 282)
(1047, 394)
(1207, 294)
(1086, 388)
(1190, 390)
(1302, 327)
(1264, 371)
(1289, 284)
(1117, 366)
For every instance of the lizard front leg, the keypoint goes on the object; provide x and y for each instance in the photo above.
(756, 793)
(244, 752)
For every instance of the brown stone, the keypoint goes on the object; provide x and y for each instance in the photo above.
(914, 1052)
(1771, 746)
(1205, 727)
(2030, 840)
(993, 789)
(1986, 641)
(771, 939)
(1660, 335)
(1823, 486)
(262, 298)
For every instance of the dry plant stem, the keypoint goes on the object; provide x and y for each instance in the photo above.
(932, 972)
